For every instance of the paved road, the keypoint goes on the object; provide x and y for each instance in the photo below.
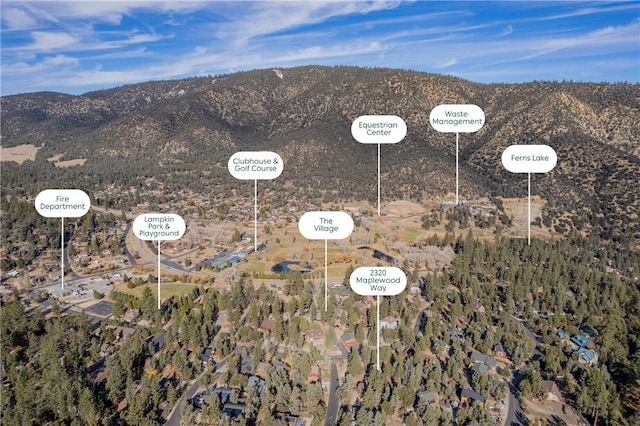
(514, 410)
(345, 352)
(123, 244)
(175, 416)
(515, 415)
(68, 270)
(332, 406)
(143, 250)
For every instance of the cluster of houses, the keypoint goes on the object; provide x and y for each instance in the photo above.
(119, 333)
(91, 264)
(230, 399)
(482, 364)
(236, 208)
(582, 343)
(313, 335)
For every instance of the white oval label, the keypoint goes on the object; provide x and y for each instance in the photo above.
(322, 225)
(62, 203)
(252, 165)
(529, 158)
(457, 118)
(378, 281)
(378, 129)
(158, 226)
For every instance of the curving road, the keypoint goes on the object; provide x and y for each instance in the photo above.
(175, 416)
(515, 415)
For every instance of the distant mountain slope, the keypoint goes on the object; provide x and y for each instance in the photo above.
(177, 130)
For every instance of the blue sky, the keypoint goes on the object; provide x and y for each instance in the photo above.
(75, 47)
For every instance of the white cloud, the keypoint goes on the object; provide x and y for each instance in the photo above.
(612, 37)
(137, 39)
(47, 64)
(265, 18)
(322, 52)
(18, 19)
(447, 63)
(59, 60)
(47, 40)
(110, 12)
(136, 53)
(508, 30)
(85, 40)
(247, 35)
(413, 18)
(444, 32)
(589, 11)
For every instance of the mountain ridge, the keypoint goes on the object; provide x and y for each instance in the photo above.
(175, 127)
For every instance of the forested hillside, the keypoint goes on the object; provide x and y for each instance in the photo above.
(182, 132)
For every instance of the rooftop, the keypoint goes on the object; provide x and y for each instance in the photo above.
(588, 330)
(588, 355)
(485, 359)
(469, 394)
(581, 340)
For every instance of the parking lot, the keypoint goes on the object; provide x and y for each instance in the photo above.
(101, 309)
(79, 290)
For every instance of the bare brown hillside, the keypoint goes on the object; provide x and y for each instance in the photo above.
(183, 131)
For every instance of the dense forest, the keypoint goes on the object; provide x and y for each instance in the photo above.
(55, 372)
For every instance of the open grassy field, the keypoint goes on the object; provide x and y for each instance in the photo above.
(167, 290)
(391, 233)
(411, 234)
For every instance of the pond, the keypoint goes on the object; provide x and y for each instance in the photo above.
(380, 255)
(283, 267)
